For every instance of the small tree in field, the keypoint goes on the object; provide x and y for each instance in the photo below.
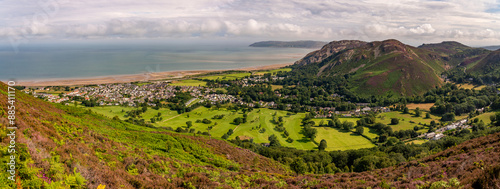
(360, 129)
(418, 113)
(394, 121)
(406, 110)
(322, 145)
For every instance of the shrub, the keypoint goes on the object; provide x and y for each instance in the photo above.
(394, 121)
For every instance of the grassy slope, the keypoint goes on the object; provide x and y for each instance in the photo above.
(388, 67)
(111, 111)
(487, 65)
(66, 143)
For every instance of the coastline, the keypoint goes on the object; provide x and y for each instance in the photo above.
(133, 77)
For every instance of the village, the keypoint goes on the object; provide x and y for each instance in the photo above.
(129, 94)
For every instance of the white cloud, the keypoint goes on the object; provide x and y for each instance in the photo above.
(408, 20)
(423, 29)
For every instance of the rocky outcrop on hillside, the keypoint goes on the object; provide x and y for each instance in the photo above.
(329, 50)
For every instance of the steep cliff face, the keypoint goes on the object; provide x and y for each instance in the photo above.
(328, 50)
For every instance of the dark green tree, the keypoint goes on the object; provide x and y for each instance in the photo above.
(273, 141)
(360, 129)
(427, 115)
(394, 121)
(418, 112)
(322, 145)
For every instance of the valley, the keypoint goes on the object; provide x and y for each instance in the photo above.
(367, 107)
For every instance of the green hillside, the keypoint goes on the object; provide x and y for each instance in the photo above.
(69, 147)
(62, 147)
(489, 65)
(385, 67)
(455, 53)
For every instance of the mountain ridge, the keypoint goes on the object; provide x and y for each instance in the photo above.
(289, 44)
(382, 67)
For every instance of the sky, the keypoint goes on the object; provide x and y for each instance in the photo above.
(474, 23)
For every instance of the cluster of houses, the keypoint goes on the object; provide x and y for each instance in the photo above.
(219, 98)
(363, 109)
(257, 79)
(438, 134)
(129, 94)
(51, 97)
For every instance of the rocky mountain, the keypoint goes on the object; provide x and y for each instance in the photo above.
(289, 44)
(380, 67)
(328, 50)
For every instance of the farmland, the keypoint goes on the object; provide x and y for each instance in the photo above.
(259, 125)
(225, 77)
(422, 106)
(239, 75)
(342, 140)
(257, 118)
(404, 120)
(189, 82)
(273, 71)
(485, 117)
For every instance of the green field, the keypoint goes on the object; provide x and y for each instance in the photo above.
(189, 82)
(273, 71)
(368, 132)
(342, 119)
(485, 117)
(225, 77)
(274, 87)
(142, 83)
(341, 140)
(259, 117)
(404, 120)
(420, 141)
(337, 140)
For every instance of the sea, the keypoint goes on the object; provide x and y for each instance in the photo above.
(86, 59)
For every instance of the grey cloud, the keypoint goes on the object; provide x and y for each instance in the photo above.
(281, 19)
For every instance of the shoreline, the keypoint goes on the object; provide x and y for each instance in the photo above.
(134, 77)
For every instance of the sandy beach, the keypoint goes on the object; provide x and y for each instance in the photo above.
(132, 77)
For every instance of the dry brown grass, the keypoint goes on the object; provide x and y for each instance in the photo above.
(423, 106)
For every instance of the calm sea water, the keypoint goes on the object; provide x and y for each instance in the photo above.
(90, 59)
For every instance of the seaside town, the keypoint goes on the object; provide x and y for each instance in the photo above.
(129, 94)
